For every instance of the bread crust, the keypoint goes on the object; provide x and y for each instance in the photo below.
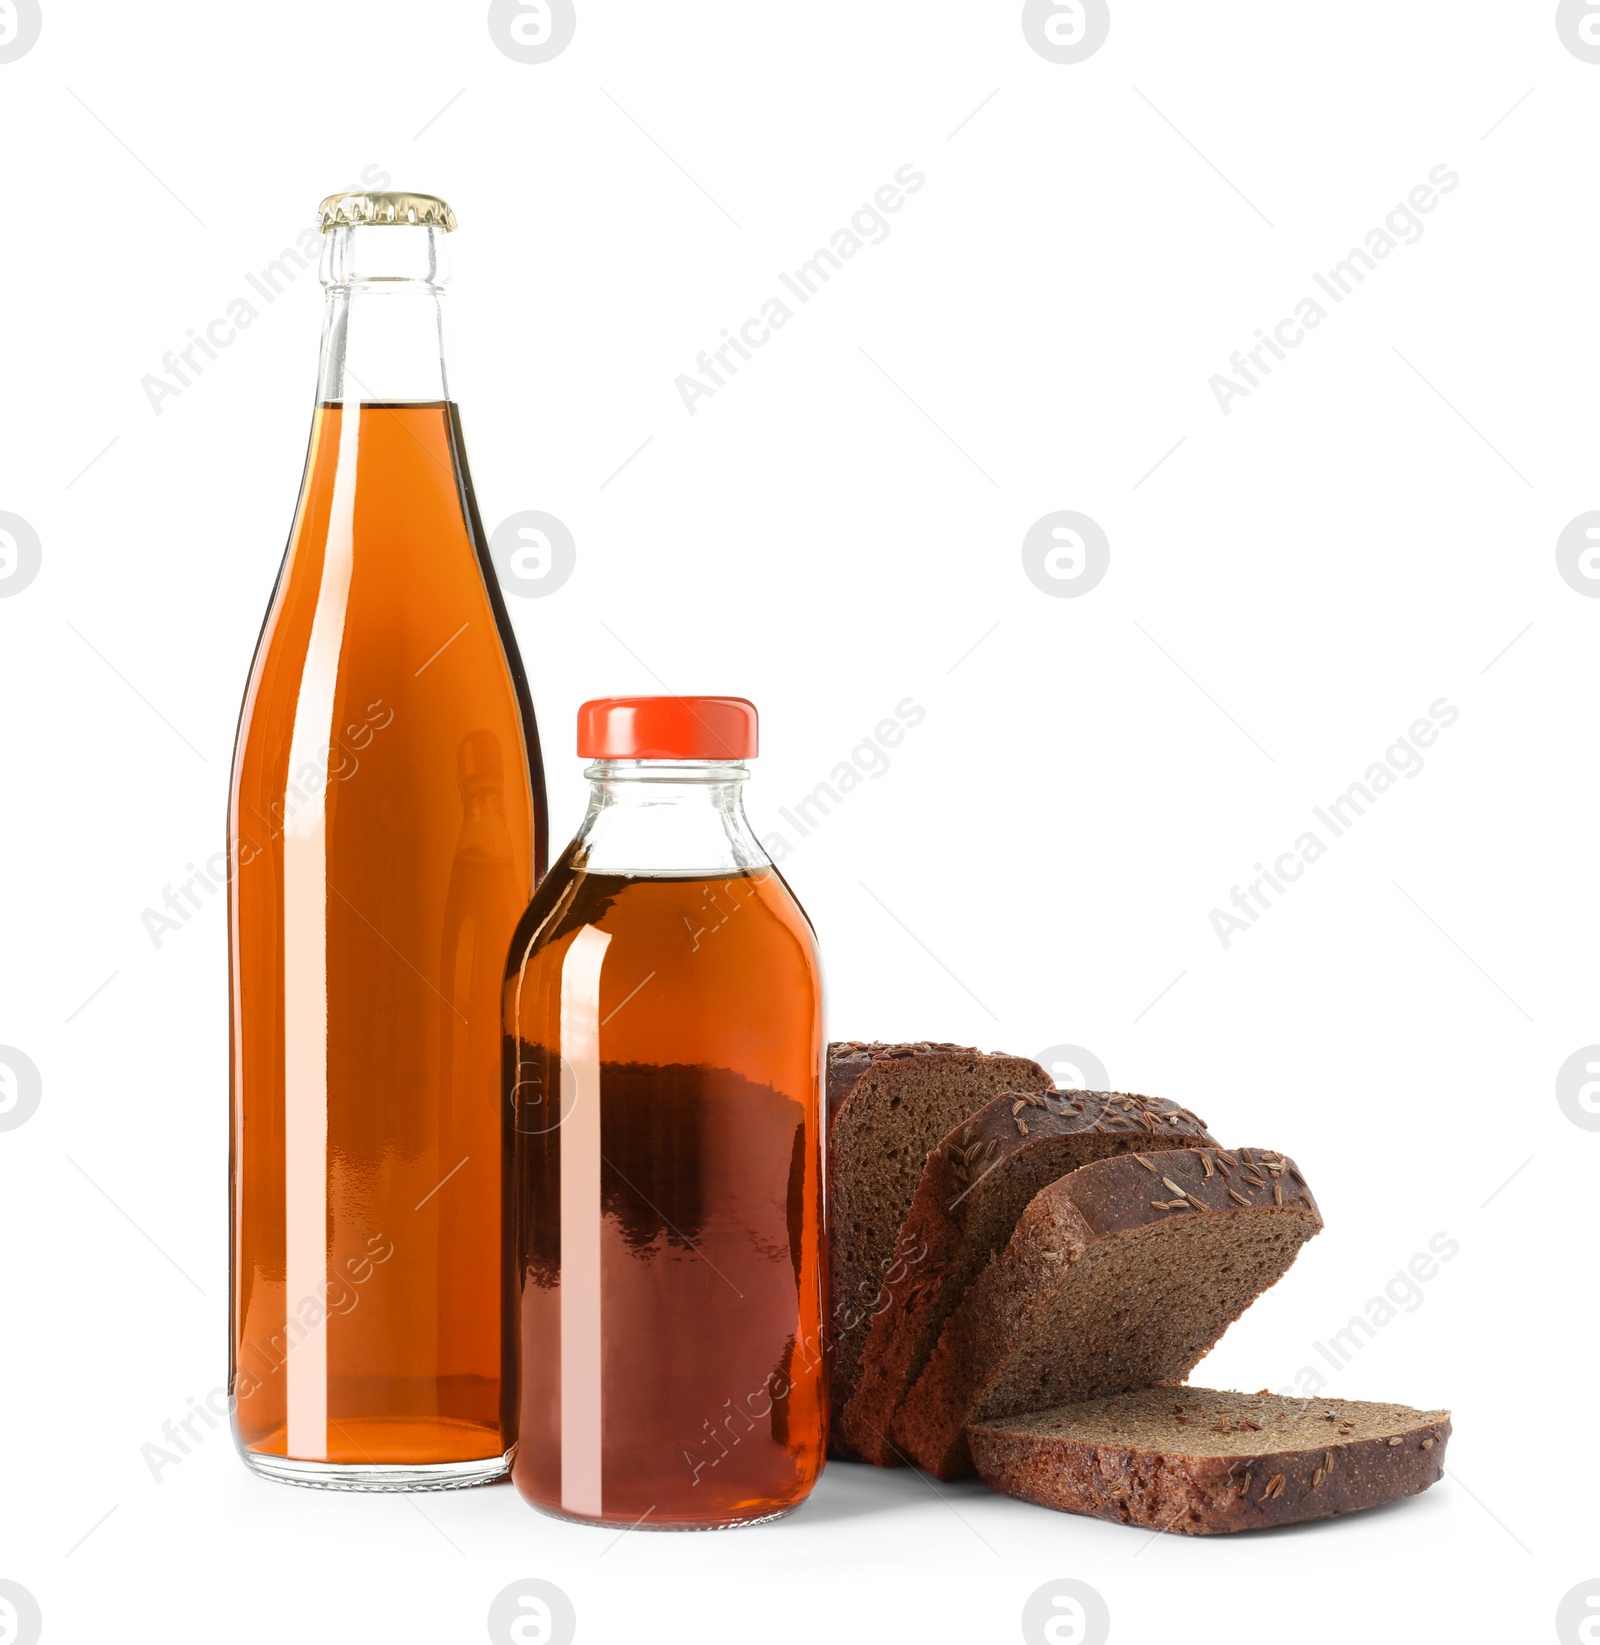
(1003, 1137)
(1007, 1312)
(870, 1187)
(1207, 1495)
(849, 1060)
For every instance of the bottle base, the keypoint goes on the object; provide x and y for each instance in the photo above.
(649, 1521)
(379, 1476)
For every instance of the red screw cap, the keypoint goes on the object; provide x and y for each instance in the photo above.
(667, 728)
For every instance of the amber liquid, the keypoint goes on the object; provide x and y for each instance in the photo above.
(387, 825)
(669, 1314)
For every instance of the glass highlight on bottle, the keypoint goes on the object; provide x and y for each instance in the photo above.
(386, 829)
(664, 1064)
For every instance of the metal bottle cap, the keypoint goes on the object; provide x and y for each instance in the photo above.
(408, 210)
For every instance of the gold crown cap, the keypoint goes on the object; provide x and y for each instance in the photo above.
(409, 210)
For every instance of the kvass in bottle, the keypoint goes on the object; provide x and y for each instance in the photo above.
(664, 1049)
(386, 829)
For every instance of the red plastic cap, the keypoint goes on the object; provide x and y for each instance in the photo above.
(667, 728)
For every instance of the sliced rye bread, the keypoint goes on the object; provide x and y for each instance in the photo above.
(1119, 1276)
(976, 1184)
(887, 1106)
(1200, 1462)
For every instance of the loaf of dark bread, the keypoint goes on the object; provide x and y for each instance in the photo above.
(887, 1106)
(1121, 1275)
(1196, 1461)
(977, 1182)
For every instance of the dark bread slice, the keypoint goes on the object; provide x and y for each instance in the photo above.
(1200, 1462)
(976, 1184)
(1119, 1276)
(887, 1106)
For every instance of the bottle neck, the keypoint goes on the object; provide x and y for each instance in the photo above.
(667, 819)
(382, 334)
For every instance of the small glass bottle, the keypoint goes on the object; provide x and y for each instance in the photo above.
(664, 1054)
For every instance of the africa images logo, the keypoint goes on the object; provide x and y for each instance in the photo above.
(1066, 31)
(1578, 25)
(20, 553)
(20, 23)
(532, 31)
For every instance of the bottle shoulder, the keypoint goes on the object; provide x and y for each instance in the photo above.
(744, 918)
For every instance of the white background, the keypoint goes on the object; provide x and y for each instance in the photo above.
(839, 528)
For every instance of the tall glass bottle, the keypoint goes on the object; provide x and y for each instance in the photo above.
(386, 829)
